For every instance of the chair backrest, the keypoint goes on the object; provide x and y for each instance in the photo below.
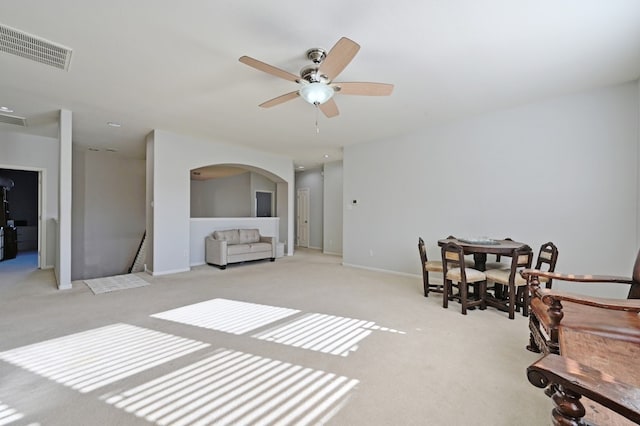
(522, 259)
(634, 291)
(453, 257)
(423, 251)
(498, 256)
(547, 259)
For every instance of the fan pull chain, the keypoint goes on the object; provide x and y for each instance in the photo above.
(317, 113)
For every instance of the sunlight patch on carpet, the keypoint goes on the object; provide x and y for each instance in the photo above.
(323, 333)
(115, 283)
(8, 414)
(236, 388)
(228, 316)
(91, 359)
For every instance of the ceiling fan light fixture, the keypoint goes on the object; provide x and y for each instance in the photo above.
(316, 93)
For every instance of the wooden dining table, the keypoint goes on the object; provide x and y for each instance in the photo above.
(480, 247)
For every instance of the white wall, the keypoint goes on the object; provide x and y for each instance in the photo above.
(108, 215)
(174, 156)
(21, 151)
(232, 196)
(222, 197)
(313, 180)
(563, 170)
(638, 173)
(332, 209)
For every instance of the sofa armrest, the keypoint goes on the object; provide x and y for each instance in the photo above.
(272, 241)
(215, 251)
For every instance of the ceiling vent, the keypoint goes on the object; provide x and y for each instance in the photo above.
(34, 48)
(13, 119)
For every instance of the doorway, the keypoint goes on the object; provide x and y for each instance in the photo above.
(264, 204)
(23, 216)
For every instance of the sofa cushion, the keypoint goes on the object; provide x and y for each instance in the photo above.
(236, 249)
(231, 236)
(248, 236)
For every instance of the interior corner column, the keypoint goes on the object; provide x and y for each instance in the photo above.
(63, 264)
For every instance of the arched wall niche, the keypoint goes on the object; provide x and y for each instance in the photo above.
(231, 190)
(225, 196)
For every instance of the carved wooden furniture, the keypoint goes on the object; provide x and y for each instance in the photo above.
(571, 380)
(544, 320)
(591, 347)
(521, 258)
(591, 368)
(454, 270)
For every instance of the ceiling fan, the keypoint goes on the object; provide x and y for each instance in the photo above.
(316, 80)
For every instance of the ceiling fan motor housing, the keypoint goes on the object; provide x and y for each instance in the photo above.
(310, 74)
(316, 55)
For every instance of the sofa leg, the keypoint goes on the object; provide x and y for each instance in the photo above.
(273, 259)
(223, 266)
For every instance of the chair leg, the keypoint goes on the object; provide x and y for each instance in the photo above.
(525, 301)
(445, 293)
(533, 346)
(512, 301)
(462, 288)
(426, 284)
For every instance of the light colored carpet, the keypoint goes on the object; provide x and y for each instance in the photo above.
(115, 283)
(410, 362)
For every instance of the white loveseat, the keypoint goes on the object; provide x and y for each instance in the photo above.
(238, 245)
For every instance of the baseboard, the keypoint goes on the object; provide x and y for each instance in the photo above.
(174, 271)
(388, 271)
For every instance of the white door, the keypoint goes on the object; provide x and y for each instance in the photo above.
(302, 219)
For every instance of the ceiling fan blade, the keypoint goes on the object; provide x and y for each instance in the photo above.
(364, 89)
(329, 108)
(338, 57)
(269, 69)
(280, 99)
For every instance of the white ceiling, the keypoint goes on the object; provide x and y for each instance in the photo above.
(174, 65)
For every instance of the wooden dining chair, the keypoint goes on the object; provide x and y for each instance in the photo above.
(511, 279)
(455, 271)
(499, 264)
(432, 266)
(428, 266)
(546, 262)
(498, 289)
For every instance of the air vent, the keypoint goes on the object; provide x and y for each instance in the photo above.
(13, 119)
(34, 48)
